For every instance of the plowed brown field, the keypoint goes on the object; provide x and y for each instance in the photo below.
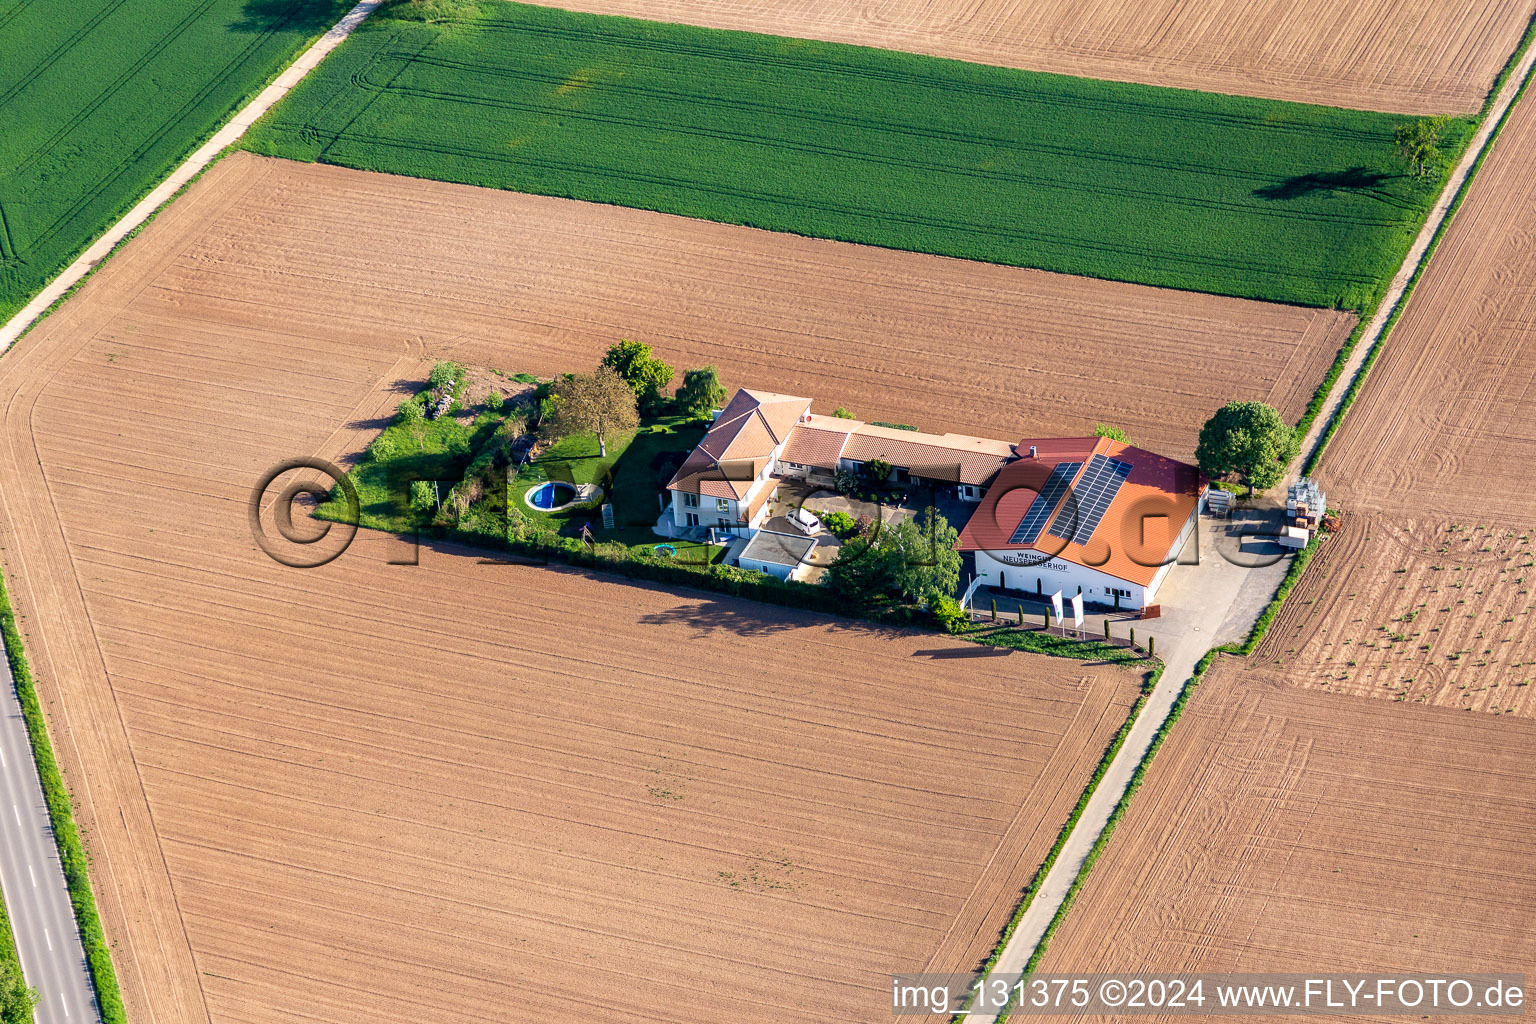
(1281, 829)
(1407, 56)
(1415, 612)
(545, 285)
(459, 791)
(1426, 596)
(1445, 424)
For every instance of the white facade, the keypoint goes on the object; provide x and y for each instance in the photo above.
(1031, 572)
(724, 514)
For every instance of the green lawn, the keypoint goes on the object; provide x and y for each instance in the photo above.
(636, 482)
(101, 99)
(1247, 197)
(438, 450)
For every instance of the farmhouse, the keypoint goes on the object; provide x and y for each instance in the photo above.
(1085, 515)
(1076, 514)
(760, 437)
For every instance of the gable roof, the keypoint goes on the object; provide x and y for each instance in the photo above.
(1139, 527)
(957, 458)
(818, 441)
(738, 443)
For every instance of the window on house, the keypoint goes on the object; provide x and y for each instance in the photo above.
(690, 500)
(722, 505)
(725, 522)
(902, 476)
(691, 518)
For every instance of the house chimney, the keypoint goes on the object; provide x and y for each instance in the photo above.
(1033, 453)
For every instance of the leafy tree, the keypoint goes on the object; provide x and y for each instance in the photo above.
(16, 1000)
(929, 564)
(700, 393)
(1418, 142)
(423, 496)
(843, 414)
(632, 360)
(878, 470)
(1113, 433)
(865, 574)
(600, 403)
(912, 560)
(1249, 439)
(445, 376)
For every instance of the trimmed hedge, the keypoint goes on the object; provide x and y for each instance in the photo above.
(724, 579)
(98, 956)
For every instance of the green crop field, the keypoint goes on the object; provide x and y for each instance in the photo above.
(1223, 194)
(101, 99)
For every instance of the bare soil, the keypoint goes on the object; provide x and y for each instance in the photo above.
(1396, 55)
(1282, 829)
(1445, 424)
(1415, 612)
(456, 790)
(1426, 596)
(542, 285)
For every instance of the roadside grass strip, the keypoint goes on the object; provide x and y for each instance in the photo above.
(61, 812)
(1030, 890)
(15, 998)
(1236, 196)
(100, 100)
(1102, 841)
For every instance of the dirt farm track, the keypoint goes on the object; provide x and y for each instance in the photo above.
(1288, 830)
(458, 791)
(1426, 596)
(1408, 56)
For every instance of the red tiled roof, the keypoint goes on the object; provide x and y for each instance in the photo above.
(737, 444)
(1132, 541)
(813, 446)
(954, 457)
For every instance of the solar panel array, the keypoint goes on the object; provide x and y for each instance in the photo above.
(1101, 482)
(1045, 503)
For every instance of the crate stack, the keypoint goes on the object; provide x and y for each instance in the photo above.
(1305, 506)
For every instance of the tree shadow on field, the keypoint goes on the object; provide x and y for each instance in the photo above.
(308, 16)
(1356, 179)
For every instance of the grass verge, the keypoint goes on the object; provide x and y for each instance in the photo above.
(1038, 642)
(1119, 812)
(98, 956)
(1325, 386)
(1175, 188)
(16, 1000)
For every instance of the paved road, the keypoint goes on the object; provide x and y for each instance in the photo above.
(31, 877)
(32, 880)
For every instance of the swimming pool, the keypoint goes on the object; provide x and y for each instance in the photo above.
(551, 495)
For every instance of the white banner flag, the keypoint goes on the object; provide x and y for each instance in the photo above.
(1077, 610)
(1056, 604)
